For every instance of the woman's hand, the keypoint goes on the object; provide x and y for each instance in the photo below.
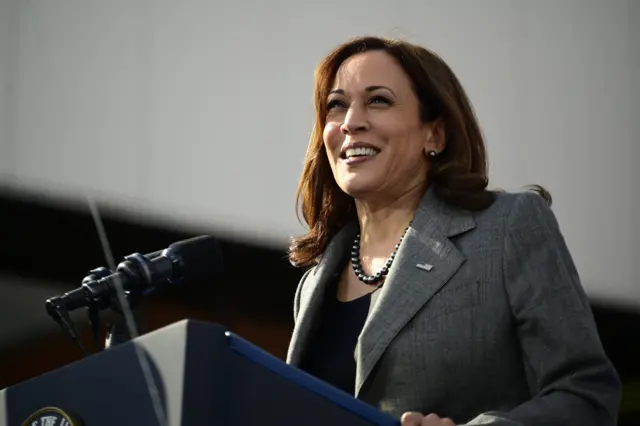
(417, 419)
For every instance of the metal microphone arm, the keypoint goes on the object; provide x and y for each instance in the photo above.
(60, 314)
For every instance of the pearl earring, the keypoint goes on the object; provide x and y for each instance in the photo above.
(432, 153)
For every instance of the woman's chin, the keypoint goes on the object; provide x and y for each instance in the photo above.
(360, 188)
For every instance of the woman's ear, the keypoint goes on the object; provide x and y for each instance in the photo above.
(435, 138)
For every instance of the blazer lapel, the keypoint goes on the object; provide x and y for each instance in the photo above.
(409, 287)
(312, 293)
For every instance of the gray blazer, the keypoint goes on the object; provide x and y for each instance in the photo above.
(499, 330)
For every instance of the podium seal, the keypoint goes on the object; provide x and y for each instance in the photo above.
(52, 416)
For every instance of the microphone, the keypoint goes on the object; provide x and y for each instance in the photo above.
(195, 259)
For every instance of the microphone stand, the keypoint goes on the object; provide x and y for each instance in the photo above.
(60, 314)
(117, 331)
(95, 304)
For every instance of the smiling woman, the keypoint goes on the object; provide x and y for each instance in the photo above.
(420, 106)
(428, 295)
(378, 126)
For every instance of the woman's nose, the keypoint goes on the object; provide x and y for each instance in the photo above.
(354, 121)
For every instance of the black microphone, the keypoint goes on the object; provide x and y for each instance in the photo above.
(195, 259)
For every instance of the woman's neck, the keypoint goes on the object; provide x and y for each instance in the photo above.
(384, 222)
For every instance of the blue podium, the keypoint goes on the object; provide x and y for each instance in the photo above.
(188, 373)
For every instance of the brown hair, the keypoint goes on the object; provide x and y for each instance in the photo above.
(458, 174)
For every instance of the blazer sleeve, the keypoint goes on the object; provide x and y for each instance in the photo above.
(296, 298)
(572, 378)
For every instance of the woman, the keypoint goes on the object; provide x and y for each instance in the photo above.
(429, 296)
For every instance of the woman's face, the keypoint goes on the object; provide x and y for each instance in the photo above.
(374, 137)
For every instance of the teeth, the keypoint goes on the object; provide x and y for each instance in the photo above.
(359, 152)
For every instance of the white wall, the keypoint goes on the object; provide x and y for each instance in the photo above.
(8, 35)
(199, 112)
(634, 136)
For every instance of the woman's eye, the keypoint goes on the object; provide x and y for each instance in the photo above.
(334, 103)
(380, 100)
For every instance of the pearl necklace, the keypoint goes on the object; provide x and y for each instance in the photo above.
(382, 273)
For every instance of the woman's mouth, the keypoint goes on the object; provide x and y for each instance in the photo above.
(358, 154)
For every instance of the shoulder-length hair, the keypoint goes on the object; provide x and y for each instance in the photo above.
(458, 175)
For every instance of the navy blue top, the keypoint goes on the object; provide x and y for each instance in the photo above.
(330, 355)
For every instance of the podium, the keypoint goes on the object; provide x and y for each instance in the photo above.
(203, 375)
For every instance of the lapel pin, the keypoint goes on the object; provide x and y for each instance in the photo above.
(425, 266)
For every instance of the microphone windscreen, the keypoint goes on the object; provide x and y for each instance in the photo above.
(201, 258)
